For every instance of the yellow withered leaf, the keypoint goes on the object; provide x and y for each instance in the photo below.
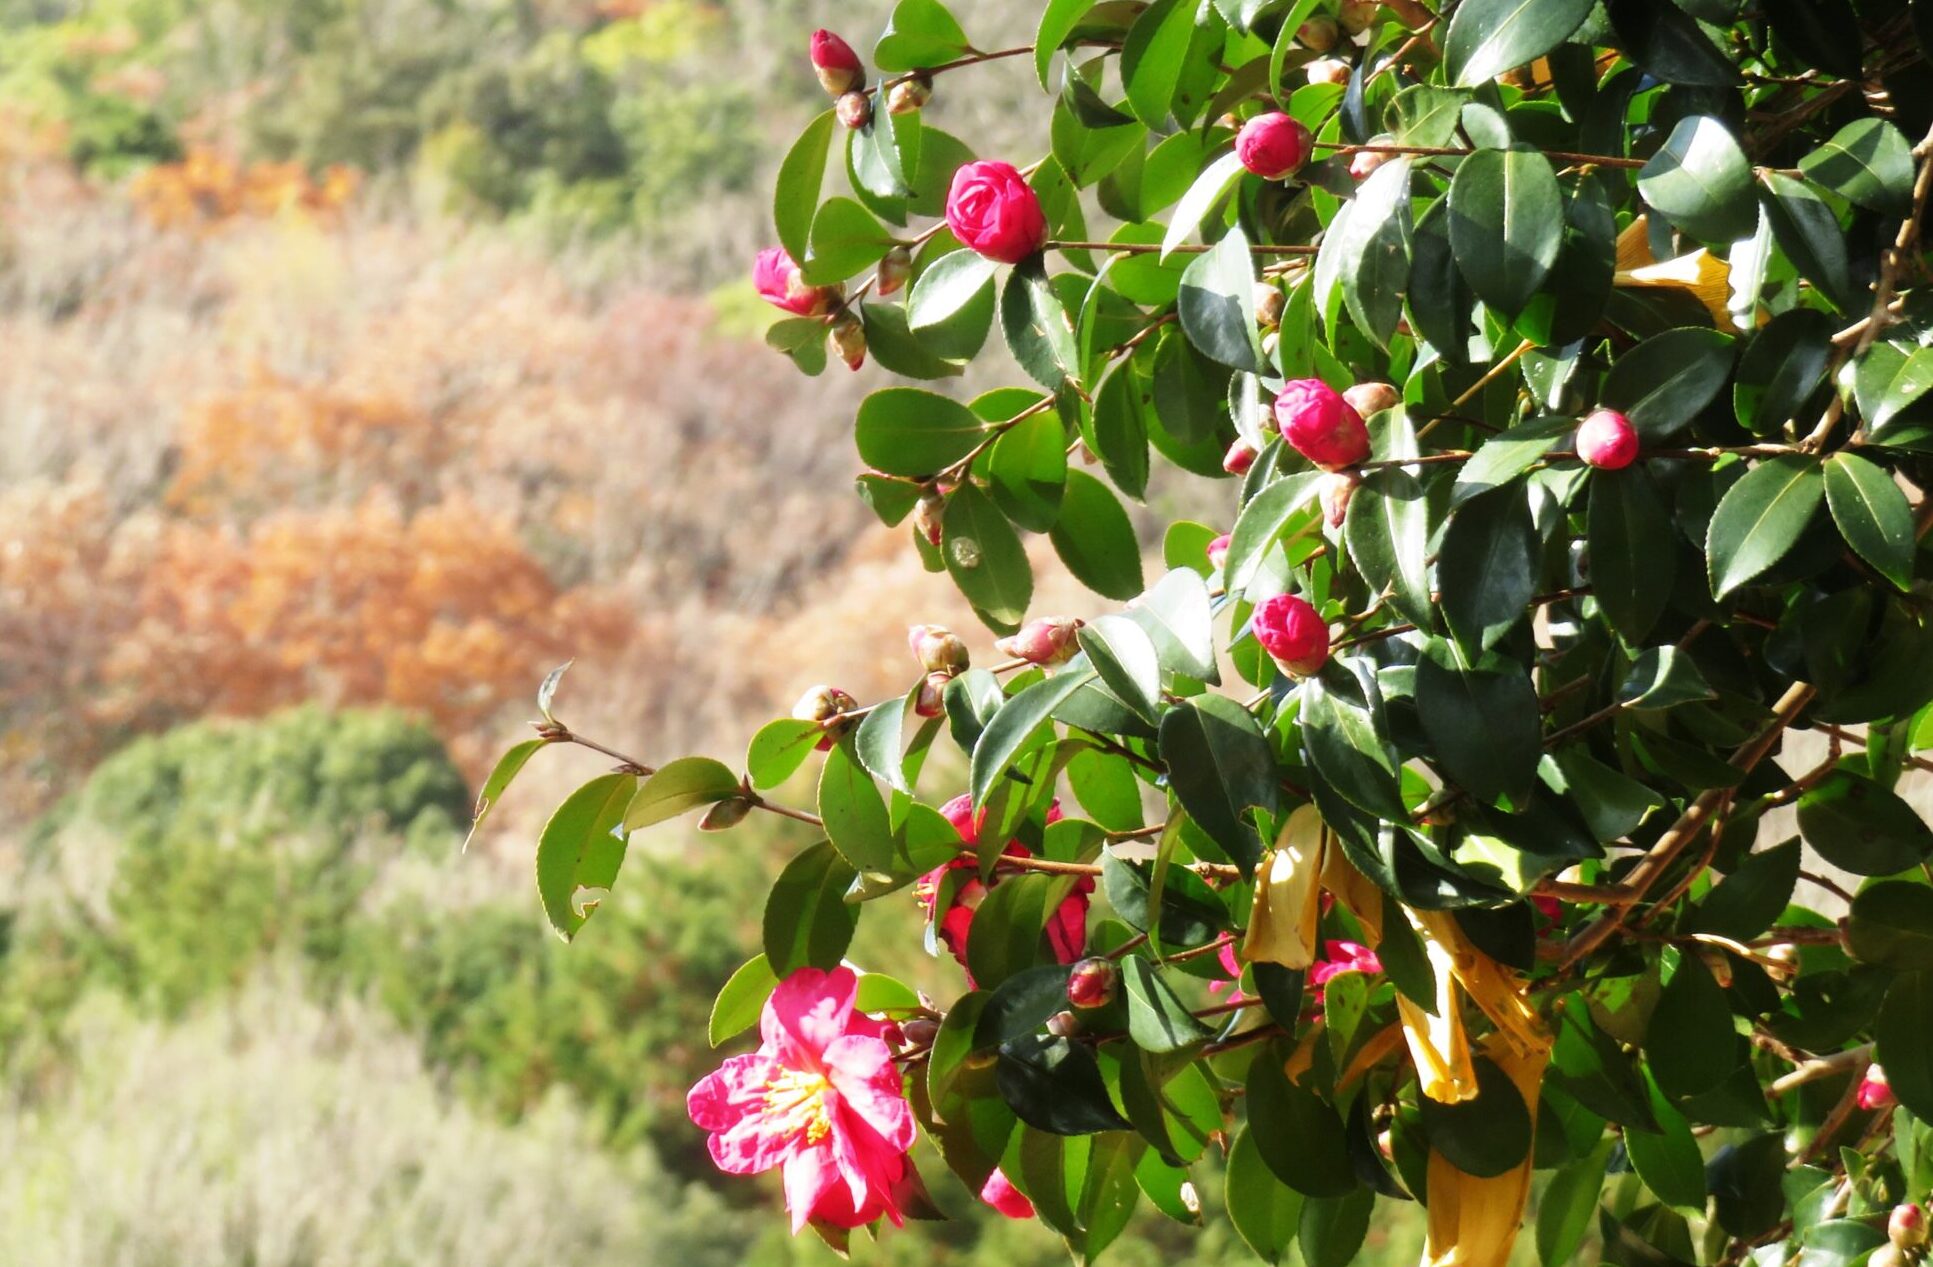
(1703, 275)
(1473, 1222)
(1437, 1044)
(1284, 924)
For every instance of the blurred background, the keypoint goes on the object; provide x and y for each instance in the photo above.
(361, 360)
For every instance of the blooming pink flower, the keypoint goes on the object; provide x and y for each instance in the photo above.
(1607, 440)
(1000, 1193)
(992, 210)
(1066, 928)
(1272, 145)
(1875, 1092)
(1233, 967)
(1218, 550)
(780, 284)
(1293, 633)
(1339, 957)
(1320, 425)
(820, 1098)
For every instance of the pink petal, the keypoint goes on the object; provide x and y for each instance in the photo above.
(1000, 1193)
(809, 1009)
(870, 1088)
(726, 1094)
(810, 1174)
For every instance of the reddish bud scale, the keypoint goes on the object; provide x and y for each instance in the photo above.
(1091, 983)
(849, 339)
(938, 649)
(1906, 1226)
(1328, 70)
(1048, 641)
(854, 109)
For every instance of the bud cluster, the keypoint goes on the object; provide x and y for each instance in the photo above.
(943, 655)
(826, 705)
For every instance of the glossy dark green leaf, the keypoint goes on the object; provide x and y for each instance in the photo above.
(1808, 232)
(1055, 1085)
(909, 431)
(741, 999)
(1154, 56)
(1862, 826)
(1217, 303)
(808, 922)
(1387, 528)
(1824, 33)
(1506, 224)
(1701, 181)
(1485, 1136)
(1117, 432)
(1441, 303)
(1176, 613)
(1488, 567)
(1006, 935)
(1888, 379)
(1872, 514)
(1629, 536)
(1027, 471)
(1905, 1019)
(986, 559)
(1039, 333)
(1482, 718)
(1425, 115)
(1220, 765)
(1689, 1043)
(845, 239)
(581, 850)
(1095, 538)
(1744, 903)
(1009, 729)
(1665, 41)
(1588, 1064)
(1333, 1229)
(1743, 1179)
(1760, 518)
(1783, 364)
(1265, 1211)
(1288, 501)
(677, 788)
(1667, 380)
(1158, 1021)
(920, 33)
(1668, 1159)
(1867, 162)
(1188, 915)
(1504, 456)
(1348, 751)
(1661, 678)
(1124, 655)
(1058, 19)
(1891, 924)
(950, 286)
(1300, 1138)
(1200, 198)
(1371, 250)
(1488, 37)
(1564, 1214)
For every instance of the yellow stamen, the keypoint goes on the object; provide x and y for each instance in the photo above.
(798, 1098)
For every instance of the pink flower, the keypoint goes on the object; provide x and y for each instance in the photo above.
(992, 210)
(1339, 957)
(781, 284)
(1272, 145)
(1320, 425)
(1218, 550)
(1293, 634)
(820, 1098)
(1233, 967)
(1066, 928)
(1607, 440)
(1875, 1092)
(999, 1193)
(835, 63)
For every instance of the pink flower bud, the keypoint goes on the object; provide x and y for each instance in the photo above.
(928, 517)
(1047, 641)
(1063, 1025)
(1607, 440)
(1875, 1092)
(779, 283)
(854, 109)
(938, 649)
(1092, 982)
(1240, 456)
(1906, 1226)
(1328, 70)
(1336, 489)
(1000, 1193)
(1363, 162)
(894, 269)
(1356, 15)
(1218, 550)
(1370, 399)
(824, 704)
(992, 210)
(849, 339)
(837, 65)
(1319, 33)
(930, 699)
(1272, 145)
(1320, 425)
(909, 95)
(1269, 303)
(1293, 633)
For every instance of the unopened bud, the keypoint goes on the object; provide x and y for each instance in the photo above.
(855, 110)
(1888, 1255)
(1356, 15)
(1363, 162)
(1875, 1091)
(928, 516)
(1785, 955)
(1271, 340)
(1386, 1145)
(937, 648)
(835, 63)
(1190, 1198)
(1269, 303)
(1369, 399)
(825, 704)
(919, 1032)
(1218, 550)
(1319, 33)
(1906, 1226)
(1240, 456)
(894, 269)
(930, 699)
(1328, 70)
(1092, 982)
(909, 95)
(725, 815)
(1718, 963)
(1047, 641)
(1336, 489)
(849, 338)
(1063, 1025)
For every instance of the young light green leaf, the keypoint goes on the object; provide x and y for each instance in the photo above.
(506, 769)
(581, 850)
(741, 1000)
(678, 788)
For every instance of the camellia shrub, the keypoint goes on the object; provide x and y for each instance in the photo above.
(1408, 835)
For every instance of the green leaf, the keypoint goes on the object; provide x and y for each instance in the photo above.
(1862, 826)
(678, 788)
(985, 558)
(1006, 935)
(741, 1001)
(1506, 224)
(1873, 515)
(1117, 431)
(1891, 924)
(1349, 751)
(909, 431)
(1667, 380)
(1488, 567)
(1333, 1228)
(779, 749)
(1038, 331)
(1808, 232)
(1485, 1136)
(1689, 1043)
(1371, 250)
(1665, 41)
(921, 33)
(1564, 1213)
(1158, 1021)
(582, 848)
(1124, 655)
(547, 690)
(1488, 37)
(1663, 677)
(1301, 1139)
(1055, 1085)
(808, 922)
(1668, 1159)
(1057, 21)
(1745, 903)
(845, 240)
(1265, 1211)
(1744, 1183)
(1500, 459)
(1387, 530)
(506, 769)
(1217, 304)
(795, 193)
(1631, 550)
(1888, 380)
(1760, 518)
(1153, 57)
(1825, 33)
(1009, 729)
(1783, 363)
(854, 812)
(1482, 719)
(1424, 115)
(1905, 1019)
(1866, 162)
(1202, 195)
(1289, 500)
(1701, 181)
(1027, 471)
(1095, 539)
(950, 285)
(1220, 765)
